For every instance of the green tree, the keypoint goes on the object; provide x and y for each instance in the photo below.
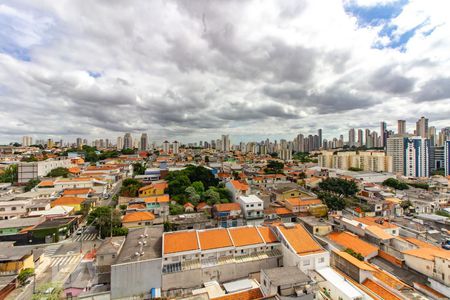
(31, 184)
(138, 169)
(211, 196)
(176, 209)
(339, 187)
(332, 201)
(24, 275)
(355, 254)
(130, 187)
(102, 216)
(58, 172)
(9, 174)
(128, 151)
(396, 184)
(48, 291)
(199, 187)
(274, 167)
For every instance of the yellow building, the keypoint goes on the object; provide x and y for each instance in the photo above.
(156, 188)
(75, 202)
(15, 259)
(373, 161)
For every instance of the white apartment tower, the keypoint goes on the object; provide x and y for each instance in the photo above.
(225, 142)
(175, 147)
(417, 157)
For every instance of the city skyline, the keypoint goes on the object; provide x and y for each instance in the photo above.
(276, 68)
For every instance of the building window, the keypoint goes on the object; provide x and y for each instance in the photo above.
(13, 208)
(321, 260)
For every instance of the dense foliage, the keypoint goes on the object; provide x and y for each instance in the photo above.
(9, 174)
(339, 187)
(333, 202)
(354, 254)
(355, 169)
(24, 275)
(396, 184)
(195, 184)
(58, 172)
(31, 184)
(443, 213)
(274, 167)
(138, 169)
(130, 187)
(304, 157)
(419, 185)
(102, 216)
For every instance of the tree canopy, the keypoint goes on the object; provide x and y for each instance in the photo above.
(396, 184)
(58, 172)
(9, 174)
(102, 216)
(339, 187)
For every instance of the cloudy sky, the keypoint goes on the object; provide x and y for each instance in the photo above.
(192, 70)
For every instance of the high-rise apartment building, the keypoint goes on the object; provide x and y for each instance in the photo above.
(383, 134)
(175, 147)
(401, 127)
(119, 143)
(422, 127)
(351, 137)
(417, 157)
(319, 133)
(360, 138)
(395, 147)
(144, 142)
(225, 142)
(432, 136)
(127, 141)
(79, 143)
(166, 147)
(368, 139)
(27, 141)
(447, 158)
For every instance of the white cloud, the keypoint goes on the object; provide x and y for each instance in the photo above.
(194, 70)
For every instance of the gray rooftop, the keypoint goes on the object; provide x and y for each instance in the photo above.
(313, 221)
(286, 275)
(20, 222)
(152, 248)
(14, 253)
(111, 245)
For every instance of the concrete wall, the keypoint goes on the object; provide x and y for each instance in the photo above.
(222, 273)
(136, 278)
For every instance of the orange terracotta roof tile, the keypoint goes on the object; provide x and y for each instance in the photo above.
(47, 183)
(214, 238)
(252, 294)
(349, 240)
(244, 236)
(138, 216)
(68, 200)
(160, 199)
(300, 240)
(437, 294)
(76, 191)
(267, 234)
(136, 206)
(238, 185)
(390, 280)
(300, 202)
(180, 241)
(379, 290)
(74, 170)
(428, 253)
(420, 243)
(202, 205)
(282, 211)
(354, 261)
(373, 221)
(188, 204)
(100, 168)
(227, 206)
(379, 232)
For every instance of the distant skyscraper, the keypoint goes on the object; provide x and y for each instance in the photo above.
(401, 127)
(27, 141)
(225, 143)
(144, 142)
(127, 141)
(368, 139)
(166, 147)
(432, 136)
(360, 137)
(320, 137)
(79, 143)
(383, 134)
(447, 158)
(351, 137)
(175, 147)
(396, 149)
(119, 144)
(417, 157)
(422, 127)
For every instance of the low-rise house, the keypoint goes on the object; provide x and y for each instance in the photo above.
(189, 207)
(54, 212)
(285, 215)
(82, 193)
(287, 282)
(137, 269)
(15, 259)
(54, 230)
(190, 221)
(252, 207)
(300, 248)
(155, 188)
(284, 191)
(106, 255)
(298, 205)
(204, 208)
(138, 219)
(228, 214)
(316, 226)
(158, 205)
(13, 209)
(15, 226)
(75, 202)
(193, 257)
(238, 188)
(347, 240)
